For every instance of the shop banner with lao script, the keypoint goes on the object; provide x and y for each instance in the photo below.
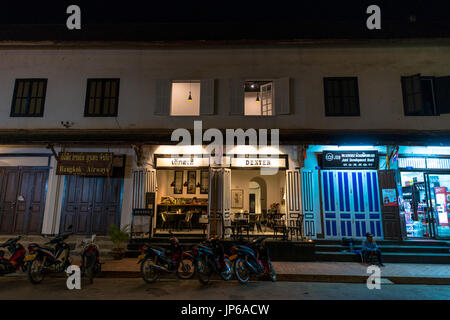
(350, 160)
(89, 164)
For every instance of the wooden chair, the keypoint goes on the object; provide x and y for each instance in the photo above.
(164, 220)
(188, 220)
(296, 228)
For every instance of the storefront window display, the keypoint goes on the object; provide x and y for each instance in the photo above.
(258, 201)
(426, 204)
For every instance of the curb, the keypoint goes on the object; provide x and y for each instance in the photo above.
(308, 278)
(323, 278)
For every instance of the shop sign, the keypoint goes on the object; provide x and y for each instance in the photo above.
(350, 160)
(92, 164)
(258, 162)
(182, 162)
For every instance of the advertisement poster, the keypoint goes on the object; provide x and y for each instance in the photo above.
(389, 198)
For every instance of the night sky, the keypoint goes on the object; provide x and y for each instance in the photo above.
(225, 18)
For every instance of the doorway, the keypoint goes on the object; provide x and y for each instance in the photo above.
(351, 204)
(91, 204)
(22, 199)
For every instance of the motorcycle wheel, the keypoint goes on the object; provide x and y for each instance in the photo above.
(241, 271)
(187, 270)
(203, 270)
(148, 273)
(89, 268)
(227, 274)
(272, 274)
(36, 271)
(3, 267)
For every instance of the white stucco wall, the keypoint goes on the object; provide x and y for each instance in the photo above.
(378, 70)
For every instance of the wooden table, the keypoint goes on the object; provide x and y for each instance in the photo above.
(175, 216)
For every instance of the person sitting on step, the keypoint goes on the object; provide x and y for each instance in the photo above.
(370, 248)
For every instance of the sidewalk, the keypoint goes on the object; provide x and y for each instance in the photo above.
(350, 272)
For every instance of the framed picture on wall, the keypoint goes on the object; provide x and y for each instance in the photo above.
(192, 179)
(178, 182)
(204, 182)
(237, 198)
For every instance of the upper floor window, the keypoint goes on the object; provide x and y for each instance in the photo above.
(341, 97)
(102, 98)
(185, 98)
(29, 98)
(258, 98)
(426, 96)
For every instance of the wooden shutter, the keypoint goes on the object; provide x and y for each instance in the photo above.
(226, 202)
(309, 182)
(293, 197)
(207, 88)
(442, 93)
(412, 94)
(390, 215)
(163, 97)
(282, 96)
(236, 97)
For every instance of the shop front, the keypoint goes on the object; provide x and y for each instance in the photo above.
(258, 201)
(346, 187)
(23, 185)
(193, 194)
(424, 190)
(93, 191)
(182, 193)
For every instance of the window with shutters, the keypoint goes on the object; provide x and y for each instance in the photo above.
(425, 96)
(341, 97)
(29, 98)
(102, 98)
(185, 98)
(258, 98)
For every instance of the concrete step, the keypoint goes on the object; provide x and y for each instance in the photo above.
(391, 257)
(414, 243)
(386, 248)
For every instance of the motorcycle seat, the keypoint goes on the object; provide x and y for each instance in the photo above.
(44, 247)
(158, 248)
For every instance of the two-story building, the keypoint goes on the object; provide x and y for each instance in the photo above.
(364, 136)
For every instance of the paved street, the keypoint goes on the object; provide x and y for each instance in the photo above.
(136, 289)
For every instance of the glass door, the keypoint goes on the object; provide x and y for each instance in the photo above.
(439, 204)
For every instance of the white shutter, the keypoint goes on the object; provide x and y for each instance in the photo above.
(144, 180)
(236, 96)
(163, 97)
(282, 96)
(227, 202)
(309, 183)
(293, 202)
(207, 88)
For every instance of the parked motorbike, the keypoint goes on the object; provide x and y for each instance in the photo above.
(209, 258)
(90, 258)
(15, 261)
(155, 261)
(54, 257)
(252, 259)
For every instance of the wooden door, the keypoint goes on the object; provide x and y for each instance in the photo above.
(390, 215)
(22, 199)
(106, 204)
(91, 205)
(35, 199)
(30, 201)
(9, 188)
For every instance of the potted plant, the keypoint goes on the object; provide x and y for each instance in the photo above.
(119, 238)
